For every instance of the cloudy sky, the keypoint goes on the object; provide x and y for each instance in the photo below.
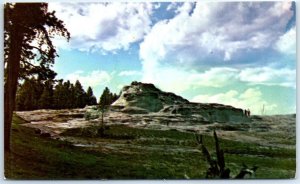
(240, 54)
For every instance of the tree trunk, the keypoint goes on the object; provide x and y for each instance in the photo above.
(11, 83)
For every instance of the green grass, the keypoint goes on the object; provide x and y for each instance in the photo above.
(144, 154)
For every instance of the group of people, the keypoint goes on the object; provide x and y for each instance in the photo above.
(247, 112)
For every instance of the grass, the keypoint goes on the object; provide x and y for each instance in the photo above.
(141, 154)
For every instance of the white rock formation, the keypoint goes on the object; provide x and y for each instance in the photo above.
(142, 98)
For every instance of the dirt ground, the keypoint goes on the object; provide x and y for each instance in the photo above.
(277, 130)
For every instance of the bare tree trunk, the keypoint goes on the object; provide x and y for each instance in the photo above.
(11, 83)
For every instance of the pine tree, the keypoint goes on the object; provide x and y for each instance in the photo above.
(58, 95)
(37, 90)
(67, 95)
(114, 97)
(23, 90)
(46, 99)
(28, 95)
(24, 24)
(66, 90)
(35, 94)
(91, 99)
(104, 103)
(71, 97)
(80, 95)
(105, 99)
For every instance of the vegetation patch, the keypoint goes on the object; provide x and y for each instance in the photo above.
(132, 153)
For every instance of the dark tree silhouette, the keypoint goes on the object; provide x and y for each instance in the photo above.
(29, 94)
(66, 102)
(34, 94)
(58, 95)
(80, 95)
(104, 103)
(106, 99)
(46, 99)
(71, 101)
(25, 96)
(28, 29)
(217, 168)
(91, 99)
(64, 95)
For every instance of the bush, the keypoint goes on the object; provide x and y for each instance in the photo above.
(91, 114)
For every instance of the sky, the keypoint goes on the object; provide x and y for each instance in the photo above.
(236, 53)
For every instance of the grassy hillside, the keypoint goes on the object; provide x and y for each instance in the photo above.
(131, 153)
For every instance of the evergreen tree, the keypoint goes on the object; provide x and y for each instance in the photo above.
(58, 95)
(80, 95)
(34, 94)
(19, 98)
(25, 23)
(46, 99)
(66, 91)
(23, 93)
(29, 94)
(67, 95)
(105, 99)
(37, 90)
(114, 97)
(104, 103)
(71, 97)
(91, 99)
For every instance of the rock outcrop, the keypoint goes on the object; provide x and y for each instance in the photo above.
(143, 98)
(146, 96)
(209, 112)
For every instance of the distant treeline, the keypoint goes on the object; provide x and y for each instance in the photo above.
(34, 94)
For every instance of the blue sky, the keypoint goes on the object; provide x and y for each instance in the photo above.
(241, 54)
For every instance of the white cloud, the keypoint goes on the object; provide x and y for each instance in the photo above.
(157, 5)
(269, 76)
(94, 78)
(287, 42)
(251, 98)
(172, 6)
(130, 73)
(179, 80)
(168, 79)
(214, 77)
(203, 31)
(105, 27)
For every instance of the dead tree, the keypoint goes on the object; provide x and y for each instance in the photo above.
(245, 170)
(217, 168)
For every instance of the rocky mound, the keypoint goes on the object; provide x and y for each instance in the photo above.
(208, 112)
(146, 96)
(143, 98)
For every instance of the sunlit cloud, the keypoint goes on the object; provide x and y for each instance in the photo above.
(93, 78)
(204, 32)
(130, 73)
(104, 27)
(186, 47)
(251, 99)
(287, 42)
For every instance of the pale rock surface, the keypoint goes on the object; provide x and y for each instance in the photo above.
(143, 98)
